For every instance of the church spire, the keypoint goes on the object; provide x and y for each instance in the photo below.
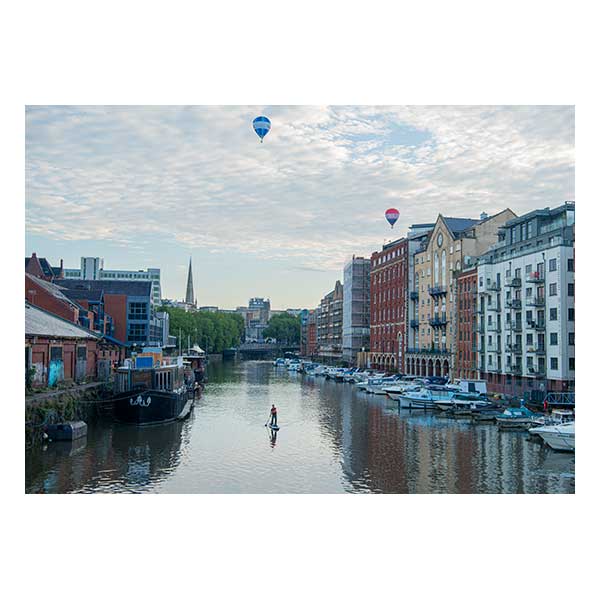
(189, 292)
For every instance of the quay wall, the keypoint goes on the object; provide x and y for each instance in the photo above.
(86, 403)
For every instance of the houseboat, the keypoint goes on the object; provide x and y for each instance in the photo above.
(152, 389)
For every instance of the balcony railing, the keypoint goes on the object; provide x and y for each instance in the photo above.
(536, 277)
(494, 307)
(515, 348)
(515, 326)
(492, 327)
(493, 286)
(513, 304)
(536, 372)
(414, 323)
(481, 311)
(539, 349)
(513, 282)
(437, 290)
(442, 350)
(413, 295)
(536, 302)
(438, 321)
(481, 328)
(516, 369)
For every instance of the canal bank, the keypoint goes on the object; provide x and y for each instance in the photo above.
(332, 440)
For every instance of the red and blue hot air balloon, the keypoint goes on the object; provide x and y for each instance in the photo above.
(392, 214)
(262, 126)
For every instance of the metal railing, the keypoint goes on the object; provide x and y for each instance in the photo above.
(414, 322)
(536, 301)
(536, 277)
(413, 295)
(513, 304)
(513, 282)
(437, 290)
(438, 321)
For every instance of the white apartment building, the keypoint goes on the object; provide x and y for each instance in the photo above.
(526, 309)
(93, 268)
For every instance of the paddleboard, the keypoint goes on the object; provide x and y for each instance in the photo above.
(275, 427)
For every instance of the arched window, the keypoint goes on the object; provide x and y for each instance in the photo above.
(443, 267)
(436, 269)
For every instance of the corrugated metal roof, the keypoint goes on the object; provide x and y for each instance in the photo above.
(51, 288)
(40, 322)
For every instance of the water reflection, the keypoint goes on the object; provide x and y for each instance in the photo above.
(333, 439)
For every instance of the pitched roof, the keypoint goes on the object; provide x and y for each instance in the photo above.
(85, 294)
(41, 322)
(48, 270)
(52, 289)
(457, 225)
(128, 288)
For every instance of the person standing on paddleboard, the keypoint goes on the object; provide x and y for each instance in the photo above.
(273, 416)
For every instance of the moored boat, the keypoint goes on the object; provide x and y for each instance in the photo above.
(558, 437)
(152, 389)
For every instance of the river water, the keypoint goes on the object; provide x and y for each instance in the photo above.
(333, 439)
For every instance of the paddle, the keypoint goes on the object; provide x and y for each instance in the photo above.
(267, 421)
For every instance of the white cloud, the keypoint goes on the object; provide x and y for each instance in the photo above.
(314, 191)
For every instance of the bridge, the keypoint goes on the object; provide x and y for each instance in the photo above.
(265, 350)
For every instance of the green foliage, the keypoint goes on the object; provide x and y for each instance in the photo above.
(284, 328)
(213, 332)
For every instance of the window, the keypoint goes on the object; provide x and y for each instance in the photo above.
(552, 289)
(138, 311)
(553, 314)
(554, 339)
(572, 363)
(554, 363)
(552, 264)
(528, 268)
(136, 332)
(570, 265)
(571, 316)
(572, 338)
(571, 289)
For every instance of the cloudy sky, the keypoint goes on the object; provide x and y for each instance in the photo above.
(152, 186)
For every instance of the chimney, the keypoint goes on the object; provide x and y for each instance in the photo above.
(61, 264)
(33, 255)
(483, 216)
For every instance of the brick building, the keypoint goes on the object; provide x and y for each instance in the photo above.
(389, 310)
(465, 359)
(40, 267)
(453, 244)
(57, 349)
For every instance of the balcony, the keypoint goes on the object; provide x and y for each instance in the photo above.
(481, 311)
(494, 349)
(438, 321)
(492, 327)
(516, 326)
(536, 277)
(513, 304)
(493, 286)
(536, 372)
(515, 348)
(513, 282)
(539, 349)
(494, 307)
(414, 323)
(442, 350)
(536, 302)
(413, 295)
(438, 290)
(537, 325)
(516, 369)
(481, 328)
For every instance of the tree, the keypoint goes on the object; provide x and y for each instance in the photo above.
(284, 328)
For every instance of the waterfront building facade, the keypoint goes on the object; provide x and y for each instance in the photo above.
(356, 309)
(453, 244)
(329, 325)
(389, 310)
(526, 286)
(465, 359)
(92, 268)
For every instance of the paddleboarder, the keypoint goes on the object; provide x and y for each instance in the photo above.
(273, 416)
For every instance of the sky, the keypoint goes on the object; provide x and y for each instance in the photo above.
(152, 186)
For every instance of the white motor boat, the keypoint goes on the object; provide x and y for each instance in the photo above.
(375, 385)
(425, 396)
(558, 437)
(462, 400)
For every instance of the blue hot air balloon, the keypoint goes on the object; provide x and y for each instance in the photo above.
(262, 126)
(391, 215)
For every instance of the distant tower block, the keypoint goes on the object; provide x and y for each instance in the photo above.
(189, 292)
